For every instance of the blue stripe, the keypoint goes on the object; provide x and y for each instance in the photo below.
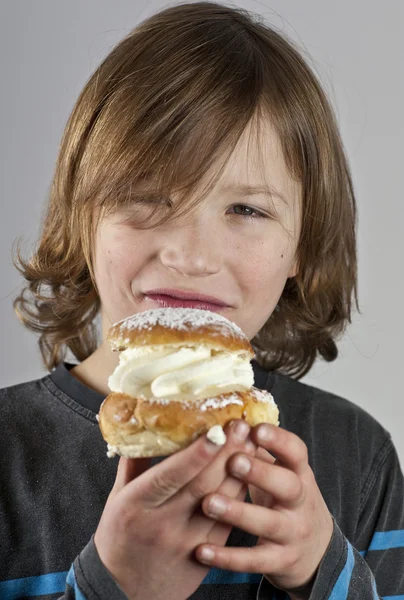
(384, 540)
(222, 576)
(71, 580)
(375, 594)
(340, 589)
(55, 583)
(52, 583)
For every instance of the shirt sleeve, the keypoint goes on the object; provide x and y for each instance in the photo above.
(371, 566)
(88, 579)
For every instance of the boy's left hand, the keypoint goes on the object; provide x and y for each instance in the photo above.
(288, 514)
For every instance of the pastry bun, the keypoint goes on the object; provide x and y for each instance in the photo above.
(179, 326)
(182, 371)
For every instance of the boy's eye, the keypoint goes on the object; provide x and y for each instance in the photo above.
(140, 208)
(154, 204)
(244, 210)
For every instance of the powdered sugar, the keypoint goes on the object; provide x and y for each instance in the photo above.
(202, 405)
(220, 402)
(182, 319)
(262, 396)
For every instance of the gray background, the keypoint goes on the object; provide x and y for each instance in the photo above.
(47, 51)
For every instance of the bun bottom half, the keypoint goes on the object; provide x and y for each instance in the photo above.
(138, 427)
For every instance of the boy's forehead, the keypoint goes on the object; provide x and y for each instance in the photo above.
(256, 162)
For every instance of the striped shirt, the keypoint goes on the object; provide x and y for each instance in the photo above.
(55, 479)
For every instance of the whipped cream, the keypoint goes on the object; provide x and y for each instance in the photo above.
(181, 371)
(217, 435)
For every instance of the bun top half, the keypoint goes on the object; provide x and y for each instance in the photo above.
(177, 327)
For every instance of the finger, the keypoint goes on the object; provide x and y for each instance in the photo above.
(129, 469)
(256, 494)
(215, 531)
(289, 449)
(258, 559)
(257, 520)
(161, 482)
(215, 473)
(231, 487)
(280, 483)
(264, 455)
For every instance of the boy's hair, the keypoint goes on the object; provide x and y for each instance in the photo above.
(168, 106)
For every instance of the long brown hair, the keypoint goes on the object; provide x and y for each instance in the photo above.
(168, 105)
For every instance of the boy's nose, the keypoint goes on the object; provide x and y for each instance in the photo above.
(192, 252)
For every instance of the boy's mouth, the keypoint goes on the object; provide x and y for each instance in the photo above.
(177, 298)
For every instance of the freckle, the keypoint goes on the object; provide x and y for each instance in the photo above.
(281, 255)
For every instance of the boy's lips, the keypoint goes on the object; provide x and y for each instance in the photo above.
(179, 298)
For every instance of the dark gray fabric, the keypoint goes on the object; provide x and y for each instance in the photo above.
(55, 478)
(91, 575)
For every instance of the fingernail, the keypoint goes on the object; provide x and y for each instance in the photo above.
(241, 465)
(207, 555)
(264, 433)
(217, 506)
(213, 446)
(241, 430)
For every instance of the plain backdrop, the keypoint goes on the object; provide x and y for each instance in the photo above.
(48, 50)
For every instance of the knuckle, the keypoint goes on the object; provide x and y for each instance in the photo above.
(126, 515)
(290, 557)
(295, 488)
(274, 528)
(126, 523)
(163, 533)
(257, 564)
(295, 448)
(303, 530)
(123, 514)
(198, 488)
(300, 450)
(163, 485)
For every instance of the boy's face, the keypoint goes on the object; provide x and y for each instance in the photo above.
(217, 251)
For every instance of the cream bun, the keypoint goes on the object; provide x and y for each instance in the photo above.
(182, 372)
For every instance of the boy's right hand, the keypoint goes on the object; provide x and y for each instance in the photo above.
(152, 521)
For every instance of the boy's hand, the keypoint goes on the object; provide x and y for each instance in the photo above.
(289, 514)
(152, 521)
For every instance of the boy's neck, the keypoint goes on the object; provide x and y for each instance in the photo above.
(95, 370)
